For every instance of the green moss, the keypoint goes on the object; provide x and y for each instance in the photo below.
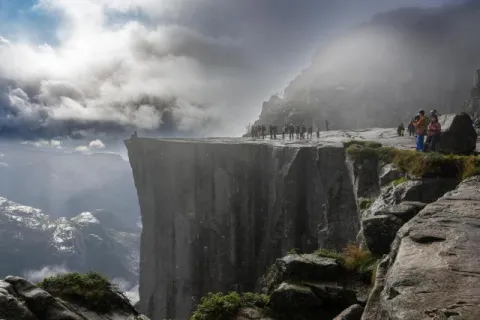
(219, 306)
(399, 181)
(90, 290)
(365, 203)
(417, 163)
(326, 253)
(271, 279)
(293, 251)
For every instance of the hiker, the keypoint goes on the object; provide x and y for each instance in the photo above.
(284, 128)
(401, 130)
(291, 131)
(302, 132)
(433, 135)
(318, 132)
(297, 131)
(274, 130)
(411, 128)
(310, 132)
(420, 129)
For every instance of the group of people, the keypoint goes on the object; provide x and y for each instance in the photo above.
(422, 125)
(293, 131)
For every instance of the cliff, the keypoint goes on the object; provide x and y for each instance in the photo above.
(217, 212)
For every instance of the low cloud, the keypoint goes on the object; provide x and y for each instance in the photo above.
(129, 290)
(95, 144)
(57, 144)
(36, 276)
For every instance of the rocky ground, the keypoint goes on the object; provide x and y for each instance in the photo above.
(21, 300)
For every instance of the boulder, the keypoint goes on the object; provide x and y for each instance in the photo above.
(333, 295)
(290, 296)
(250, 314)
(389, 173)
(432, 269)
(354, 312)
(380, 231)
(458, 135)
(307, 267)
(380, 228)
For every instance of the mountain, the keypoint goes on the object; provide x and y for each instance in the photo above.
(98, 241)
(65, 183)
(381, 72)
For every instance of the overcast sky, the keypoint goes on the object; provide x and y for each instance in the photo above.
(95, 66)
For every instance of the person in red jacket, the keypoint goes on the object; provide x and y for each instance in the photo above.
(433, 134)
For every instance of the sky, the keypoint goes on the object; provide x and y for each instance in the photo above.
(97, 69)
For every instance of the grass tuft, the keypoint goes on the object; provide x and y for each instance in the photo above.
(417, 163)
(219, 306)
(90, 290)
(365, 203)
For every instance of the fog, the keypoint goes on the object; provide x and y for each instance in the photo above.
(161, 67)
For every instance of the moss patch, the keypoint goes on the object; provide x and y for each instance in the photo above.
(364, 203)
(90, 290)
(219, 306)
(417, 163)
(399, 181)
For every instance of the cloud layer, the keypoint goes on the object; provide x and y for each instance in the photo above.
(198, 67)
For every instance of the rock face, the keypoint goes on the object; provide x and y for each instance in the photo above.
(458, 135)
(432, 269)
(216, 213)
(31, 240)
(21, 300)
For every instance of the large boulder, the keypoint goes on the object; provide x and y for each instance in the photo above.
(289, 296)
(432, 269)
(307, 267)
(458, 135)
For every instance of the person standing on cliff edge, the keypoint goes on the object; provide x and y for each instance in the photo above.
(420, 128)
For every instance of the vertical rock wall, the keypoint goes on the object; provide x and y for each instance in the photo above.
(216, 213)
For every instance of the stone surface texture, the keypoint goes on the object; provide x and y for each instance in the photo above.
(217, 212)
(432, 271)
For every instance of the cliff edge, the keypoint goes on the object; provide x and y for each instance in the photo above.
(217, 212)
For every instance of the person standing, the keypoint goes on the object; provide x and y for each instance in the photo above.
(420, 130)
(433, 135)
(411, 128)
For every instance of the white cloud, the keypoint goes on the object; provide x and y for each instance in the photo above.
(131, 292)
(45, 272)
(45, 143)
(94, 144)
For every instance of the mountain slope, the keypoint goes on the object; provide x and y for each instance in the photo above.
(381, 72)
(30, 239)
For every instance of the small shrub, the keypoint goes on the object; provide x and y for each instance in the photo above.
(354, 259)
(365, 203)
(219, 306)
(90, 290)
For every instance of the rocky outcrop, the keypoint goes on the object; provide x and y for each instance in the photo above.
(432, 269)
(21, 300)
(353, 312)
(458, 135)
(216, 213)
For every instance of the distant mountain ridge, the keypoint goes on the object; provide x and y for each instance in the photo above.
(31, 239)
(381, 72)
